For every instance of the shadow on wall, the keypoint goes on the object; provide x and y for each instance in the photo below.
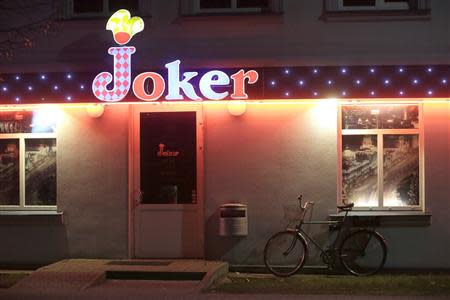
(32, 244)
(218, 246)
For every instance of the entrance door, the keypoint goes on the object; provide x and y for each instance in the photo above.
(167, 181)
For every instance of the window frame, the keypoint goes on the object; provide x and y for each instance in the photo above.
(380, 133)
(232, 9)
(22, 137)
(379, 5)
(143, 9)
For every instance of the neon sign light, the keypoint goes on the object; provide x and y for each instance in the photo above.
(178, 85)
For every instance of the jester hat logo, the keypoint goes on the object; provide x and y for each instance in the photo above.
(123, 28)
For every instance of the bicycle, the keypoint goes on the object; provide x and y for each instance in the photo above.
(362, 252)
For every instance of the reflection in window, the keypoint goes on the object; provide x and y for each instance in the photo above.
(40, 171)
(401, 170)
(380, 155)
(380, 117)
(38, 121)
(359, 169)
(9, 172)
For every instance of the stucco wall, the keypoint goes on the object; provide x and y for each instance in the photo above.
(265, 159)
(92, 166)
(275, 152)
(93, 182)
(297, 37)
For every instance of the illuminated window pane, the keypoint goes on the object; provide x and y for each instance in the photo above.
(359, 117)
(40, 172)
(399, 117)
(15, 121)
(401, 170)
(39, 121)
(215, 3)
(359, 170)
(9, 172)
(381, 117)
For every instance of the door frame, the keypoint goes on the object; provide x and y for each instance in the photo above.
(133, 134)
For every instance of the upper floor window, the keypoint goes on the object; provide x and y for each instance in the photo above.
(199, 7)
(381, 156)
(343, 10)
(94, 8)
(231, 6)
(373, 4)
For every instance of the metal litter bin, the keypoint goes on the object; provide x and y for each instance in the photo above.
(233, 220)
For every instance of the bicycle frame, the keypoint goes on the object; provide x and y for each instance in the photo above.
(347, 248)
(307, 237)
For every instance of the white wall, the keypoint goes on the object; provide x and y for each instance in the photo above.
(275, 152)
(265, 159)
(93, 182)
(296, 37)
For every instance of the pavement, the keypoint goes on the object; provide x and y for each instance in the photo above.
(88, 279)
(95, 279)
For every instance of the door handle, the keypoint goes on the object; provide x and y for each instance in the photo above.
(138, 198)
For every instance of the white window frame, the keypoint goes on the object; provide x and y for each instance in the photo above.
(232, 9)
(380, 133)
(379, 5)
(22, 137)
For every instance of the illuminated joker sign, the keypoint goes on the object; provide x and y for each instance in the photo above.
(177, 85)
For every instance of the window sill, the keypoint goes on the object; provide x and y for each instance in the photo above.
(273, 18)
(386, 218)
(379, 15)
(98, 17)
(31, 217)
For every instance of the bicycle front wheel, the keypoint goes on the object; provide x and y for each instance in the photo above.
(363, 252)
(285, 253)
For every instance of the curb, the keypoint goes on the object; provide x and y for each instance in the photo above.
(213, 276)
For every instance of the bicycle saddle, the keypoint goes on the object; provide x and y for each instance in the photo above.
(346, 206)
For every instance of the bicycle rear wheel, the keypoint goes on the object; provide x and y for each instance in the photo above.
(285, 253)
(363, 252)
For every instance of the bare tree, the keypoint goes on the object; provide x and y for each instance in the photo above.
(24, 21)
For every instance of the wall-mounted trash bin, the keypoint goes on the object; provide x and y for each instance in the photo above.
(233, 220)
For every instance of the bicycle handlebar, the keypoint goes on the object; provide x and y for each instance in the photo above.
(309, 203)
(305, 206)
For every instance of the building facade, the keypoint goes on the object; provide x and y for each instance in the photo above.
(350, 105)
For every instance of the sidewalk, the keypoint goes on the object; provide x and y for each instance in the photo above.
(95, 278)
(189, 279)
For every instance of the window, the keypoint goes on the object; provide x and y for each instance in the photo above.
(196, 7)
(373, 4)
(357, 10)
(95, 8)
(227, 6)
(381, 156)
(27, 160)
